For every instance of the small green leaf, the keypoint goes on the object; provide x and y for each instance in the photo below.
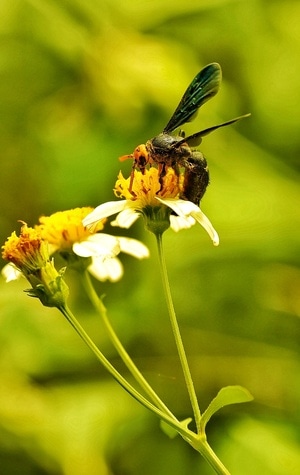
(225, 397)
(170, 431)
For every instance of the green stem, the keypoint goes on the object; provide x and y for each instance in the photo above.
(101, 309)
(172, 421)
(202, 446)
(177, 335)
(196, 441)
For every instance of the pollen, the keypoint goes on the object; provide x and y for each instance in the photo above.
(146, 187)
(63, 228)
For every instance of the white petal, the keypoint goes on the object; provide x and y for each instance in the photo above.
(181, 207)
(103, 211)
(125, 218)
(205, 222)
(181, 222)
(107, 269)
(133, 247)
(99, 244)
(187, 209)
(10, 272)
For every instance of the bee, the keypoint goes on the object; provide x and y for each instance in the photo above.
(170, 149)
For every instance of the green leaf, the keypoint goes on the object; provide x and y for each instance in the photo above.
(225, 397)
(170, 431)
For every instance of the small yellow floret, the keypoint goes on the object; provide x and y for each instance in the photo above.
(146, 187)
(26, 250)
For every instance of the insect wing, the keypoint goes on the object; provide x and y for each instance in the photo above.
(204, 86)
(195, 139)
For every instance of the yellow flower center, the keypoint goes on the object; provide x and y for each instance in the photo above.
(146, 187)
(27, 251)
(64, 228)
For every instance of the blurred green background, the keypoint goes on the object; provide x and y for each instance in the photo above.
(82, 83)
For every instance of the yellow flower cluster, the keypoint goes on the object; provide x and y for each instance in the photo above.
(64, 228)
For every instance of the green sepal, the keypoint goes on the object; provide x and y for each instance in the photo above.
(51, 293)
(157, 218)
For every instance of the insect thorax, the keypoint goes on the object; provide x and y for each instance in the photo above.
(163, 149)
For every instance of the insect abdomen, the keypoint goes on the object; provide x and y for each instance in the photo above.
(196, 177)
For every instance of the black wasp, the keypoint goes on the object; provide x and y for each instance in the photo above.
(167, 150)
